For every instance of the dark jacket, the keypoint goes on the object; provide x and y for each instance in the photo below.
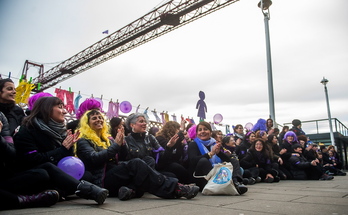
(96, 159)
(299, 164)
(310, 154)
(194, 155)
(171, 154)
(7, 150)
(242, 150)
(254, 158)
(14, 115)
(297, 131)
(35, 147)
(142, 145)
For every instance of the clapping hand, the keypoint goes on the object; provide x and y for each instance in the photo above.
(71, 139)
(120, 136)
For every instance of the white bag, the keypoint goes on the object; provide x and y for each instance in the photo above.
(220, 181)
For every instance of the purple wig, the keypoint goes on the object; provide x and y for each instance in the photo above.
(192, 131)
(35, 97)
(260, 125)
(291, 133)
(88, 104)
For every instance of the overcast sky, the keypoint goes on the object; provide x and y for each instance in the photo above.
(222, 54)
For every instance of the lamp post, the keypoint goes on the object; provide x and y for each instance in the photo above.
(324, 82)
(264, 5)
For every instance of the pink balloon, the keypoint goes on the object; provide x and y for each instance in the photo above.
(248, 126)
(217, 118)
(125, 106)
(72, 166)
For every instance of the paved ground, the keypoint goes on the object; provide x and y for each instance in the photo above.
(285, 197)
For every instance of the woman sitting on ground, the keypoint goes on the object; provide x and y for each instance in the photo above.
(43, 140)
(175, 156)
(258, 156)
(140, 144)
(204, 152)
(127, 179)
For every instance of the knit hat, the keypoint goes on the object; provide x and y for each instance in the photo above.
(295, 146)
(296, 122)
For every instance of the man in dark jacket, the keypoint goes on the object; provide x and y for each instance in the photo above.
(297, 124)
(302, 169)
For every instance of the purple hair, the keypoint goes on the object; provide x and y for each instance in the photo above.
(192, 131)
(292, 134)
(88, 104)
(35, 97)
(260, 125)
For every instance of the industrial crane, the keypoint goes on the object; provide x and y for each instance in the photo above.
(161, 20)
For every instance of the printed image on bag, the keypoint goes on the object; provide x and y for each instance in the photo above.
(223, 176)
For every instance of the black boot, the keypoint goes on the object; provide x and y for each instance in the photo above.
(241, 188)
(125, 193)
(90, 191)
(43, 199)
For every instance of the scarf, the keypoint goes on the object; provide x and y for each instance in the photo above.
(53, 129)
(261, 158)
(239, 135)
(203, 148)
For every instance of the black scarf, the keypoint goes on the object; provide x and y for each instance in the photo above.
(53, 129)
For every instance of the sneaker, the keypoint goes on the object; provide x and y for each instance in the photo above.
(276, 179)
(245, 181)
(340, 173)
(251, 181)
(187, 191)
(258, 179)
(125, 193)
(269, 180)
(326, 177)
(241, 188)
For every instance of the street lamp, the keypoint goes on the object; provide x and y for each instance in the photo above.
(324, 82)
(264, 5)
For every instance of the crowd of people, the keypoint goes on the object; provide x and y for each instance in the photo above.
(126, 159)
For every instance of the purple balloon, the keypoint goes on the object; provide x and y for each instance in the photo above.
(72, 166)
(217, 118)
(125, 106)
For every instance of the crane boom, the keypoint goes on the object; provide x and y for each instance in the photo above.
(159, 21)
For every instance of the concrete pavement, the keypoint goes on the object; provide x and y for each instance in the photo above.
(285, 197)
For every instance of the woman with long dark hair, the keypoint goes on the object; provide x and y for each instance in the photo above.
(43, 140)
(258, 157)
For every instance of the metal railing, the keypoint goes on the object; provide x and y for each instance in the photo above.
(322, 126)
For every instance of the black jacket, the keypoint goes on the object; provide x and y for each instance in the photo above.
(254, 158)
(142, 145)
(7, 151)
(14, 115)
(299, 164)
(172, 154)
(34, 147)
(96, 159)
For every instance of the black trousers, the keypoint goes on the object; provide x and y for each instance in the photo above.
(33, 181)
(138, 175)
(179, 171)
(41, 177)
